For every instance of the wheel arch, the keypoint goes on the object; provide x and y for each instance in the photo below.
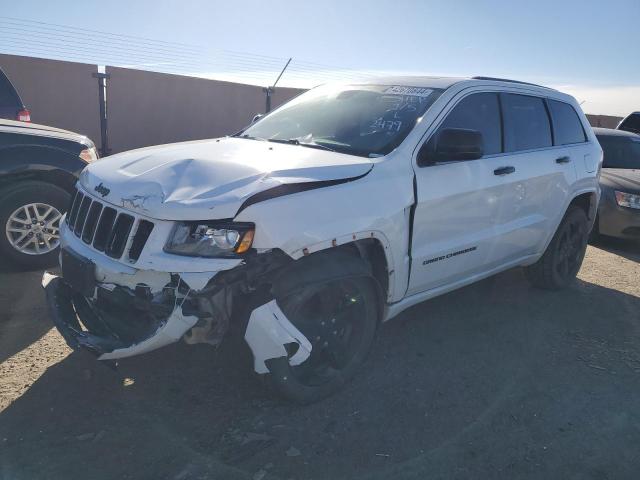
(40, 163)
(372, 247)
(362, 258)
(60, 178)
(588, 201)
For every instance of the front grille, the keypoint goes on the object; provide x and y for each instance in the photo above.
(140, 239)
(106, 229)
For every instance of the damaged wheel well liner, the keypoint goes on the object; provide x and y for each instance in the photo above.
(326, 266)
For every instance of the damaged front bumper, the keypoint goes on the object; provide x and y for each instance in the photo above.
(116, 310)
(136, 331)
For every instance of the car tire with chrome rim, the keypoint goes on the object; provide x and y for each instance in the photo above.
(30, 214)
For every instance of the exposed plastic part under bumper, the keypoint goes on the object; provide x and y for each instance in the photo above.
(268, 331)
(70, 314)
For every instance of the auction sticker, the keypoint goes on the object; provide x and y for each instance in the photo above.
(415, 91)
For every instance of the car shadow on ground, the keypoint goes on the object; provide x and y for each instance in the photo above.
(496, 380)
(628, 249)
(23, 316)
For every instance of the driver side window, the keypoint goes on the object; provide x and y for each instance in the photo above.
(480, 112)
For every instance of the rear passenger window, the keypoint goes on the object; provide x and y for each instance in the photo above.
(8, 96)
(567, 128)
(526, 123)
(481, 112)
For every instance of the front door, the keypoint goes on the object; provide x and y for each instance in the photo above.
(463, 208)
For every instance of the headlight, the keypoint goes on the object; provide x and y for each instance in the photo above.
(89, 154)
(627, 199)
(215, 239)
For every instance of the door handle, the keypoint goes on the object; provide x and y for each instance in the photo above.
(564, 159)
(504, 170)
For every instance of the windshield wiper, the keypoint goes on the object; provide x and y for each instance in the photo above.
(316, 145)
(290, 141)
(295, 141)
(249, 137)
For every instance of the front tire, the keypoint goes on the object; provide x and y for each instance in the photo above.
(559, 265)
(30, 215)
(595, 236)
(340, 319)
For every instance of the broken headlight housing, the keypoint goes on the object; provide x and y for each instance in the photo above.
(215, 239)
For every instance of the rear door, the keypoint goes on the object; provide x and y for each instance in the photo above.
(575, 157)
(545, 172)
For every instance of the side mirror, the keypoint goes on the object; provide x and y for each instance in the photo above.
(257, 117)
(452, 145)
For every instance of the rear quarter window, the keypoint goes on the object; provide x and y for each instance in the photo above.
(8, 95)
(567, 128)
(526, 122)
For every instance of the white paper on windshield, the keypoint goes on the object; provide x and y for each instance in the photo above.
(415, 91)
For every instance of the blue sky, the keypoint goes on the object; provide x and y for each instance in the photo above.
(583, 47)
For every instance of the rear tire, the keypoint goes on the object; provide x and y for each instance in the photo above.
(559, 265)
(340, 319)
(20, 206)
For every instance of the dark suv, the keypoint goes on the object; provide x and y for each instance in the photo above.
(619, 209)
(631, 123)
(11, 105)
(38, 167)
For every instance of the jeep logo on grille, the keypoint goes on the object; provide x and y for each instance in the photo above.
(102, 190)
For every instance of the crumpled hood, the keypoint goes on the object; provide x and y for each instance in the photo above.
(210, 179)
(623, 179)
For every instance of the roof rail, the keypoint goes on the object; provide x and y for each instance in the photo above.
(510, 81)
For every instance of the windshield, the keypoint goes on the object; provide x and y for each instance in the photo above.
(631, 123)
(620, 152)
(365, 120)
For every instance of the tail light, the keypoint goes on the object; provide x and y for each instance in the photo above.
(24, 115)
(89, 154)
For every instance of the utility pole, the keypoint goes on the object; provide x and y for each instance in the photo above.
(269, 90)
(102, 86)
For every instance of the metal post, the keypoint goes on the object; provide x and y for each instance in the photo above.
(104, 139)
(269, 90)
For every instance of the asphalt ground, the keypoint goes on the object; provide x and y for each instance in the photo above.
(496, 380)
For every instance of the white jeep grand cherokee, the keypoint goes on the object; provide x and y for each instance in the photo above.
(331, 214)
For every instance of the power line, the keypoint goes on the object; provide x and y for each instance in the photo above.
(65, 27)
(126, 56)
(135, 56)
(243, 74)
(159, 54)
(73, 37)
(105, 48)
